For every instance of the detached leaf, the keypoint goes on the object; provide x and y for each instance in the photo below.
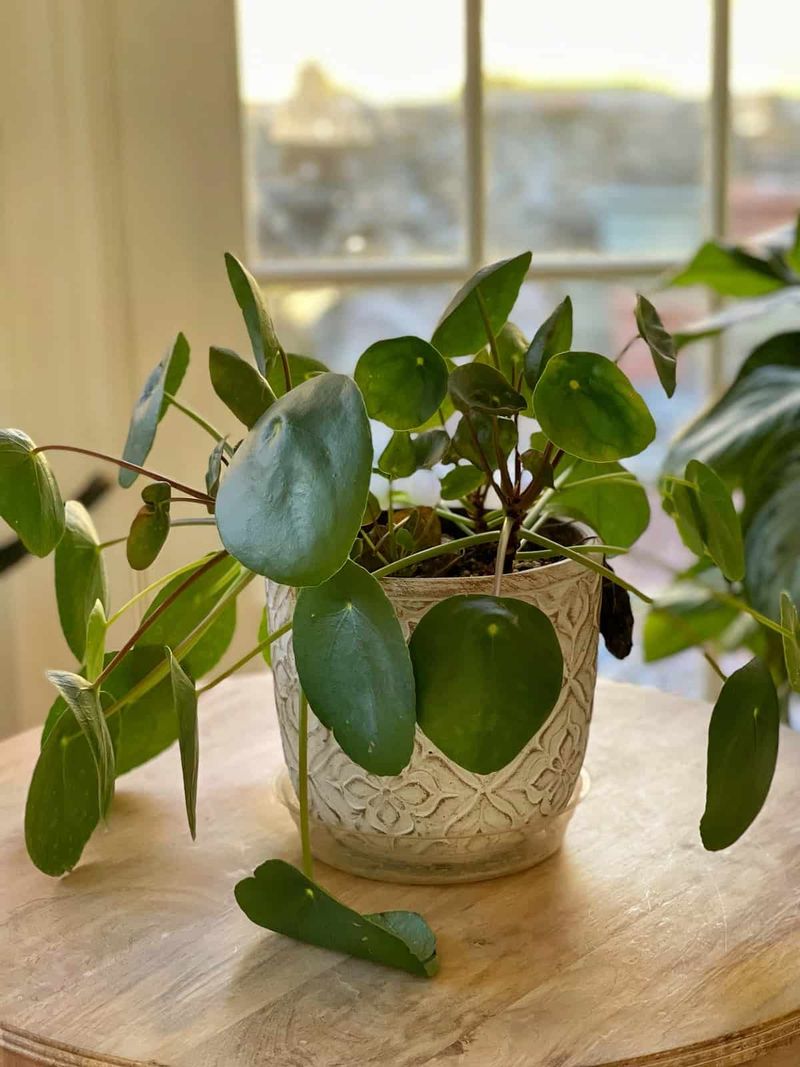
(152, 405)
(266, 346)
(461, 481)
(658, 340)
(729, 271)
(280, 898)
(95, 641)
(150, 527)
(461, 330)
(301, 368)
(84, 703)
(403, 381)
(355, 669)
(399, 458)
(791, 645)
(80, 576)
(552, 337)
(488, 673)
(240, 387)
(478, 387)
(742, 752)
(184, 697)
(29, 498)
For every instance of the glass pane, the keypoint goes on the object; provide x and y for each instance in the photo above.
(595, 125)
(353, 128)
(765, 82)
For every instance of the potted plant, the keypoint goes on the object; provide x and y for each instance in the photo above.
(499, 589)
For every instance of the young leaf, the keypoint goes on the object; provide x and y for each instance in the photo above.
(29, 498)
(301, 369)
(587, 407)
(80, 576)
(488, 673)
(292, 500)
(552, 337)
(478, 387)
(240, 387)
(355, 669)
(83, 700)
(720, 527)
(791, 645)
(742, 752)
(464, 444)
(461, 481)
(729, 271)
(399, 458)
(618, 511)
(461, 330)
(152, 405)
(150, 527)
(403, 381)
(184, 697)
(95, 641)
(512, 344)
(658, 340)
(266, 346)
(281, 898)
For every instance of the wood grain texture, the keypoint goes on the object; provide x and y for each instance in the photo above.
(631, 947)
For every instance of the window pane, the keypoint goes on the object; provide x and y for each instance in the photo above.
(353, 128)
(595, 123)
(765, 165)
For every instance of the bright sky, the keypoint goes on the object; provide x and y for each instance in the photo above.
(389, 50)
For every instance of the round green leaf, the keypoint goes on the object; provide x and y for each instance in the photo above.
(616, 510)
(301, 369)
(29, 498)
(399, 458)
(266, 347)
(461, 481)
(80, 576)
(720, 527)
(355, 669)
(478, 387)
(403, 381)
(240, 387)
(291, 503)
(150, 527)
(742, 752)
(587, 406)
(152, 405)
(552, 337)
(488, 673)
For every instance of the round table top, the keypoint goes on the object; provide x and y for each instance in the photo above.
(632, 945)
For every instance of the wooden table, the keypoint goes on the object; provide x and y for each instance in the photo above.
(631, 946)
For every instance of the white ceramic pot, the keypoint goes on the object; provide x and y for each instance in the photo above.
(436, 822)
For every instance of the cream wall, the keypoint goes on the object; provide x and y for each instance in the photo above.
(120, 188)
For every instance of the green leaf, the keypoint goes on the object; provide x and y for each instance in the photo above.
(539, 466)
(682, 617)
(464, 445)
(720, 527)
(355, 669)
(399, 458)
(150, 527)
(152, 405)
(29, 498)
(742, 751)
(301, 368)
(478, 387)
(80, 576)
(240, 387)
(430, 447)
(214, 469)
(792, 253)
(658, 340)
(488, 673)
(680, 503)
(293, 498)
(512, 344)
(461, 330)
(587, 407)
(552, 337)
(403, 381)
(266, 346)
(372, 512)
(782, 350)
(617, 510)
(461, 481)
(280, 898)
(772, 545)
(729, 271)
(84, 703)
(189, 610)
(791, 645)
(263, 634)
(184, 697)
(95, 641)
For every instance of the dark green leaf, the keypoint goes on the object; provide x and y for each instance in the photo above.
(280, 898)
(430, 447)
(791, 645)
(587, 406)
(552, 337)
(684, 616)
(539, 466)
(729, 271)
(80, 576)
(29, 498)
(488, 673)
(152, 405)
(354, 668)
(461, 330)
(266, 347)
(301, 368)
(772, 546)
(680, 503)
(782, 350)
(512, 344)
(84, 703)
(403, 381)
(184, 698)
(616, 510)
(95, 641)
(720, 527)
(478, 387)
(742, 750)
(292, 501)
(461, 481)
(464, 443)
(399, 458)
(658, 340)
(372, 512)
(150, 527)
(240, 387)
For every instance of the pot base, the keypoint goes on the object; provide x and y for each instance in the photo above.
(447, 860)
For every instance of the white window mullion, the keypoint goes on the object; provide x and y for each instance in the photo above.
(718, 158)
(474, 132)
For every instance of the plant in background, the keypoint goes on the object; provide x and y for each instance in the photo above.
(291, 501)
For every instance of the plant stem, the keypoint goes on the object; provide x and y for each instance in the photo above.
(490, 337)
(154, 585)
(590, 564)
(246, 658)
(110, 544)
(195, 416)
(500, 558)
(156, 477)
(604, 549)
(625, 347)
(302, 786)
(162, 607)
(201, 520)
(437, 550)
(484, 461)
(463, 523)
